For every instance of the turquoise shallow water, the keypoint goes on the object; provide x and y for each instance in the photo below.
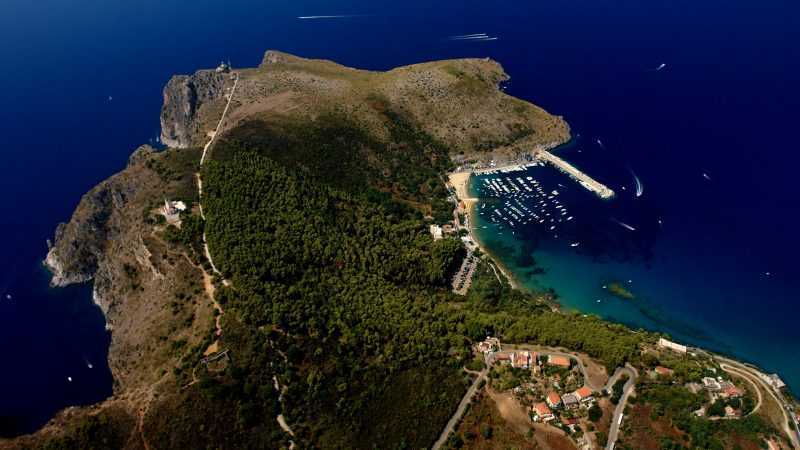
(697, 300)
(726, 104)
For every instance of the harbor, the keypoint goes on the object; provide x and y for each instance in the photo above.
(542, 157)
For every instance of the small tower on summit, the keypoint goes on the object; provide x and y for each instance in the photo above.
(224, 67)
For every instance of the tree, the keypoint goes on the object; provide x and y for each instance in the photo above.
(486, 431)
(717, 408)
(455, 441)
(595, 413)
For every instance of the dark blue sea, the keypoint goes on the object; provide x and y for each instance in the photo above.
(81, 88)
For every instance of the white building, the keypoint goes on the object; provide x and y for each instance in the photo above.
(172, 210)
(436, 232)
(776, 381)
(491, 344)
(711, 384)
(663, 343)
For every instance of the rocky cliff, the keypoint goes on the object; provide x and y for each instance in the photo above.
(80, 244)
(113, 239)
(186, 99)
(155, 298)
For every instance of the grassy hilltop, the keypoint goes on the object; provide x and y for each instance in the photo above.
(317, 196)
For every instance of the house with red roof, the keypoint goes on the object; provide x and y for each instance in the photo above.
(559, 361)
(584, 394)
(521, 360)
(731, 391)
(569, 421)
(553, 400)
(502, 357)
(663, 371)
(541, 413)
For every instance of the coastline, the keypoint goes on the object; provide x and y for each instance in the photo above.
(459, 180)
(515, 284)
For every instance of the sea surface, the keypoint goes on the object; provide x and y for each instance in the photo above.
(82, 84)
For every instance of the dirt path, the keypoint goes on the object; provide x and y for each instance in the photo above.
(207, 278)
(142, 413)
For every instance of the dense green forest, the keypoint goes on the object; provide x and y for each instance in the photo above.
(494, 308)
(351, 291)
(340, 295)
(336, 151)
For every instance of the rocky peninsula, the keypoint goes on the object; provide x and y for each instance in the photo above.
(339, 330)
(152, 290)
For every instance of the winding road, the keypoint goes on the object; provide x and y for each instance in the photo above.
(744, 375)
(627, 389)
(754, 377)
(579, 362)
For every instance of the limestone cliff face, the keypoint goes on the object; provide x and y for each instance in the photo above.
(185, 98)
(80, 246)
(112, 240)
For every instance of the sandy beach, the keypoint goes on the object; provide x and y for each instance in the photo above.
(460, 182)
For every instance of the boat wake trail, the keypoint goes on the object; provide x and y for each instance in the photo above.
(659, 68)
(623, 224)
(639, 186)
(340, 16)
(479, 37)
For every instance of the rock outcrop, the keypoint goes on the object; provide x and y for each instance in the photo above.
(185, 97)
(81, 245)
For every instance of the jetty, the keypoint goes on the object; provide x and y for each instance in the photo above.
(586, 181)
(540, 157)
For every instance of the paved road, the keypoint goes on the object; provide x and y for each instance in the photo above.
(744, 375)
(451, 424)
(544, 351)
(627, 389)
(753, 376)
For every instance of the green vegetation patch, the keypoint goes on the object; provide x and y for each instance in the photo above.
(677, 404)
(109, 428)
(354, 291)
(336, 151)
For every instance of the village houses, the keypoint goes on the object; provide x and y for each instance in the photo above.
(570, 401)
(559, 361)
(553, 400)
(584, 395)
(541, 413)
